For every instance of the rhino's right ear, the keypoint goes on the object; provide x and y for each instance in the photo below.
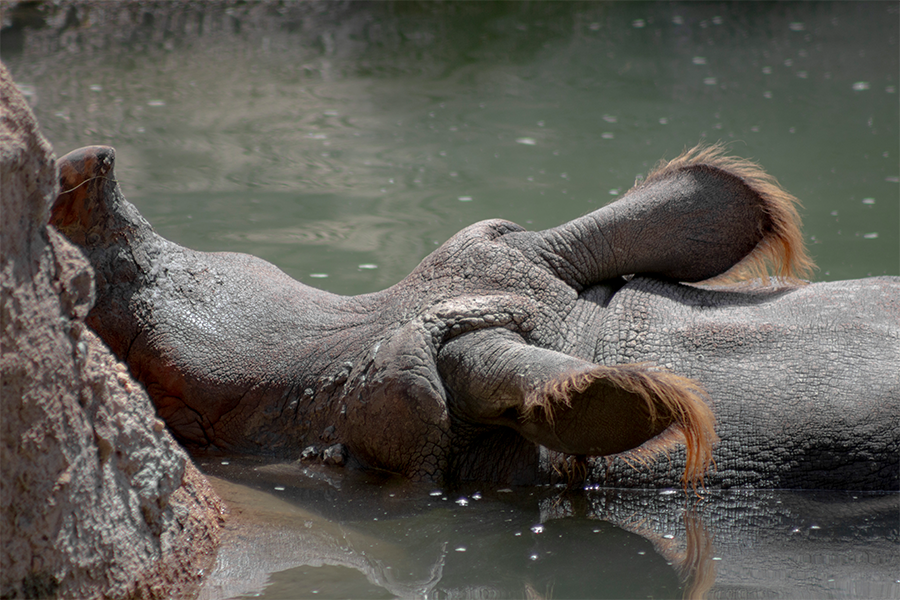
(571, 405)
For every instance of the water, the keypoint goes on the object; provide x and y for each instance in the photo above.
(344, 142)
(302, 532)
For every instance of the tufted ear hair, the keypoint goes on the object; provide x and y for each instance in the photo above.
(573, 406)
(693, 219)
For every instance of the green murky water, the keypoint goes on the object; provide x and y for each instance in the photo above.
(344, 142)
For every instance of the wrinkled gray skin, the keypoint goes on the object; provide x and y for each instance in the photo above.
(430, 378)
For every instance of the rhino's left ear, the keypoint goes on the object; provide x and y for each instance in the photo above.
(571, 405)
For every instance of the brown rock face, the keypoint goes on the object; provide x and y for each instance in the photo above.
(97, 499)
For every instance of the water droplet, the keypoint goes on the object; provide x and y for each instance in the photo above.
(860, 86)
(638, 23)
(678, 20)
(465, 198)
(641, 553)
(317, 136)
(533, 557)
(663, 121)
(709, 81)
(318, 275)
(504, 491)
(96, 88)
(610, 118)
(463, 502)
(890, 89)
(814, 527)
(755, 129)
(594, 26)
(225, 462)
(461, 549)
(699, 60)
(767, 70)
(614, 192)
(368, 266)
(526, 141)
(870, 236)
(767, 94)
(518, 534)
(717, 20)
(540, 123)
(538, 529)
(607, 135)
(868, 200)
(156, 103)
(668, 492)
(476, 496)
(668, 536)
(802, 74)
(279, 488)
(717, 558)
(436, 493)
(796, 26)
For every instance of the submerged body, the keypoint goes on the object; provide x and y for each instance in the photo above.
(506, 353)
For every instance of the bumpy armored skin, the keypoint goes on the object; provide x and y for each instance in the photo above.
(507, 352)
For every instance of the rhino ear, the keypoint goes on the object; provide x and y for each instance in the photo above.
(571, 405)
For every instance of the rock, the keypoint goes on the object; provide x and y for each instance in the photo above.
(97, 500)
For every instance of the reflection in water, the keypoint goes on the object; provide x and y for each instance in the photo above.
(406, 540)
(325, 137)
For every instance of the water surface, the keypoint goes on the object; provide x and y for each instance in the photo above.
(344, 142)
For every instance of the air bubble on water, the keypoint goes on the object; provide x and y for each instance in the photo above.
(436, 493)
(156, 103)
(540, 123)
(614, 192)
(476, 496)
(717, 558)
(317, 136)
(870, 236)
(610, 118)
(814, 527)
(537, 529)
(709, 81)
(368, 266)
(668, 492)
(767, 94)
(318, 275)
(641, 553)
(607, 135)
(678, 20)
(789, 62)
(465, 198)
(96, 88)
(639, 23)
(279, 488)
(668, 536)
(225, 462)
(868, 200)
(767, 70)
(594, 26)
(699, 60)
(526, 141)
(463, 501)
(663, 121)
(890, 89)
(797, 26)
(802, 74)
(461, 549)
(755, 129)
(860, 86)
